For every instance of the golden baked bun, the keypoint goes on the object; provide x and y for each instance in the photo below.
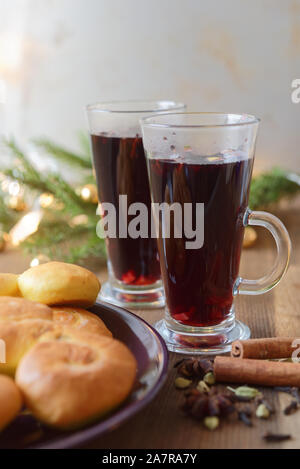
(79, 319)
(59, 283)
(22, 322)
(11, 401)
(69, 379)
(19, 309)
(9, 285)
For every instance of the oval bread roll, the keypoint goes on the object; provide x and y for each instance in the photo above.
(22, 322)
(9, 285)
(19, 309)
(73, 377)
(59, 283)
(79, 319)
(11, 401)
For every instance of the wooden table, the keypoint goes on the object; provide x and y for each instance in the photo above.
(161, 425)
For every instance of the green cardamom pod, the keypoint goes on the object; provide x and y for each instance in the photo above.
(209, 378)
(202, 387)
(182, 383)
(245, 391)
(262, 412)
(211, 423)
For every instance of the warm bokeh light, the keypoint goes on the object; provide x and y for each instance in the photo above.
(25, 227)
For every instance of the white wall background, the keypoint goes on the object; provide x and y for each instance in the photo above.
(225, 55)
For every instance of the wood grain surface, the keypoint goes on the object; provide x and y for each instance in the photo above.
(161, 425)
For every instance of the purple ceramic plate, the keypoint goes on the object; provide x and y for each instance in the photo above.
(152, 357)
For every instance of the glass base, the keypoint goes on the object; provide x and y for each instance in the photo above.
(210, 343)
(134, 297)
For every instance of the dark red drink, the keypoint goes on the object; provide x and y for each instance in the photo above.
(120, 167)
(199, 282)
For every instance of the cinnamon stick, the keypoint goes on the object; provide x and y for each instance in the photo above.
(260, 372)
(274, 347)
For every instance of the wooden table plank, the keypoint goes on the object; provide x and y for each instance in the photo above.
(161, 425)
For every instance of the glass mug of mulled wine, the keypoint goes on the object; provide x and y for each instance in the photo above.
(200, 167)
(122, 180)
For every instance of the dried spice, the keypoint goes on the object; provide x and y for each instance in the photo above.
(291, 408)
(245, 392)
(195, 404)
(202, 387)
(209, 402)
(199, 405)
(286, 389)
(211, 423)
(194, 367)
(262, 412)
(245, 416)
(292, 390)
(295, 394)
(260, 400)
(276, 437)
(182, 383)
(209, 378)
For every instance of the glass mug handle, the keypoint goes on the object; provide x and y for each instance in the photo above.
(283, 244)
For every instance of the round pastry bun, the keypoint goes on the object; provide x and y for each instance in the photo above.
(11, 400)
(70, 378)
(56, 283)
(22, 322)
(9, 285)
(80, 319)
(19, 309)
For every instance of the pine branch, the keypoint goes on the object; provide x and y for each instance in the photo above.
(25, 173)
(53, 232)
(61, 241)
(270, 187)
(60, 153)
(8, 218)
(56, 237)
(24, 170)
(89, 179)
(93, 246)
(62, 191)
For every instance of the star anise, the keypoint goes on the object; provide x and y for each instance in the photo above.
(199, 405)
(194, 367)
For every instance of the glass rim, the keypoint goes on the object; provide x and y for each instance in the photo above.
(147, 121)
(104, 106)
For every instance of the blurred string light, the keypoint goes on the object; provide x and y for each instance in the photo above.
(25, 227)
(30, 222)
(14, 188)
(89, 193)
(46, 200)
(40, 259)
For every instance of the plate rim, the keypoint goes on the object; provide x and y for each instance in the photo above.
(122, 415)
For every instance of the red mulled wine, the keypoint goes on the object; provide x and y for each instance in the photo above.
(199, 282)
(120, 167)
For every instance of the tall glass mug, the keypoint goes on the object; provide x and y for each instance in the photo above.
(200, 167)
(122, 180)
